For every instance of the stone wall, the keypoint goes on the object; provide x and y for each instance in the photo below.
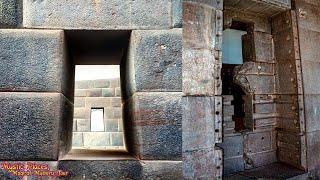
(102, 93)
(36, 86)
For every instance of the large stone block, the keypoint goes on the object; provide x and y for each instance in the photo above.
(202, 28)
(312, 110)
(200, 125)
(310, 73)
(97, 169)
(33, 124)
(33, 60)
(309, 43)
(313, 148)
(202, 164)
(201, 72)
(232, 146)
(10, 13)
(308, 15)
(158, 68)
(111, 14)
(161, 170)
(156, 121)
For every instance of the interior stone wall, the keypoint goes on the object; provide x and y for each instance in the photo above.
(101, 93)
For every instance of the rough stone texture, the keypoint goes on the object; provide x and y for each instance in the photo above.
(199, 125)
(202, 27)
(161, 170)
(201, 73)
(261, 7)
(30, 133)
(202, 164)
(33, 60)
(159, 68)
(156, 122)
(111, 14)
(10, 13)
(95, 169)
(177, 13)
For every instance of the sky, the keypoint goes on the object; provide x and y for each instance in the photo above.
(91, 72)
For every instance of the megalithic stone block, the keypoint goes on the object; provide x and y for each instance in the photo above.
(161, 170)
(201, 128)
(156, 122)
(10, 13)
(34, 126)
(111, 14)
(97, 169)
(33, 60)
(155, 61)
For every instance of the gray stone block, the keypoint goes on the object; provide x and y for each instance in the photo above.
(159, 68)
(156, 118)
(202, 164)
(161, 170)
(112, 125)
(33, 60)
(85, 84)
(177, 13)
(81, 113)
(101, 83)
(116, 102)
(77, 139)
(96, 139)
(10, 13)
(79, 102)
(94, 93)
(33, 125)
(111, 14)
(83, 125)
(97, 102)
(232, 146)
(80, 92)
(199, 123)
(118, 91)
(95, 169)
(108, 92)
(116, 139)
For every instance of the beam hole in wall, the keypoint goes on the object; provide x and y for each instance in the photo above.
(98, 58)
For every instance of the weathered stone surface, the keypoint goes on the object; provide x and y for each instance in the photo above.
(202, 164)
(311, 74)
(233, 165)
(310, 43)
(202, 28)
(308, 15)
(79, 102)
(95, 169)
(262, 7)
(33, 60)
(10, 13)
(116, 139)
(312, 110)
(232, 146)
(217, 4)
(94, 92)
(108, 92)
(156, 121)
(33, 124)
(199, 123)
(161, 170)
(83, 125)
(96, 139)
(77, 139)
(159, 68)
(112, 125)
(177, 13)
(112, 14)
(260, 141)
(313, 149)
(201, 73)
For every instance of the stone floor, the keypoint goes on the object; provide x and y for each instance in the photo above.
(271, 171)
